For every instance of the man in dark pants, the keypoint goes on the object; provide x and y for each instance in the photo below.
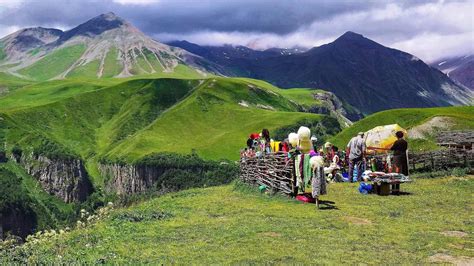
(356, 150)
(399, 149)
(400, 162)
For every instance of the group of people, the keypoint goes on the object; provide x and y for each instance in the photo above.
(354, 157)
(357, 156)
(259, 144)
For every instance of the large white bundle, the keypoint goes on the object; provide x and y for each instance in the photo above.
(316, 162)
(305, 144)
(293, 139)
(304, 133)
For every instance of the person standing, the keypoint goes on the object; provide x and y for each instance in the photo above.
(399, 149)
(265, 140)
(356, 150)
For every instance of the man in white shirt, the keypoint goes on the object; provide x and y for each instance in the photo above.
(356, 151)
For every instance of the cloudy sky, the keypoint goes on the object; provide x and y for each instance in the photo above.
(427, 29)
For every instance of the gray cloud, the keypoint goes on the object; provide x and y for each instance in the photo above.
(182, 16)
(267, 23)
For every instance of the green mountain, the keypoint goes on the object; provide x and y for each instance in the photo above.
(132, 119)
(60, 135)
(103, 47)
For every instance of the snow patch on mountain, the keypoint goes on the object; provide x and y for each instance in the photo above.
(465, 96)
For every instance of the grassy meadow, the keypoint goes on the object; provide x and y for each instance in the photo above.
(235, 224)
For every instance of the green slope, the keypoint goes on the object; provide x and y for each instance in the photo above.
(463, 118)
(234, 225)
(302, 96)
(112, 66)
(132, 119)
(54, 63)
(90, 70)
(211, 122)
(9, 83)
(43, 93)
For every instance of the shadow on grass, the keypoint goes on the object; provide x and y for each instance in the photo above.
(402, 193)
(327, 205)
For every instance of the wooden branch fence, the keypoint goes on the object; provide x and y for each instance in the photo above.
(456, 139)
(438, 160)
(276, 171)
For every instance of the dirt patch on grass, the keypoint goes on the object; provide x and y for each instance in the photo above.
(271, 234)
(357, 220)
(454, 233)
(445, 258)
(435, 123)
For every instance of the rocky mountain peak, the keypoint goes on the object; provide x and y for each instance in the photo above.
(350, 35)
(27, 39)
(96, 26)
(355, 39)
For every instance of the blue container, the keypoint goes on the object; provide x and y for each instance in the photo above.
(345, 177)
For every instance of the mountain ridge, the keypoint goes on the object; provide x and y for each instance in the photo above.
(458, 68)
(366, 74)
(104, 46)
(360, 71)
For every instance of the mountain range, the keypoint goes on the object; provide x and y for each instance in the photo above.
(361, 72)
(459, 68)
(367, 75)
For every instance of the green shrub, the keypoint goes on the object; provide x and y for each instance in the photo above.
(460, 172)
(17, 151)
(16, 213)
(52, 150)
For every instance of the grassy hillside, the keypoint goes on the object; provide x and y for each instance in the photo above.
(9, 83)
(302, 96)
(463, 118)
(212, 122)
(234, 225)
(100, 119)
(90, 69)
(54, 63)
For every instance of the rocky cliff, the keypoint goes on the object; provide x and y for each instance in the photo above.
(330, 104)
(129, 179)
(64, 178)
(164, 172)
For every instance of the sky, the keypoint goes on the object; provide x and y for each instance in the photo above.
(428, 29)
